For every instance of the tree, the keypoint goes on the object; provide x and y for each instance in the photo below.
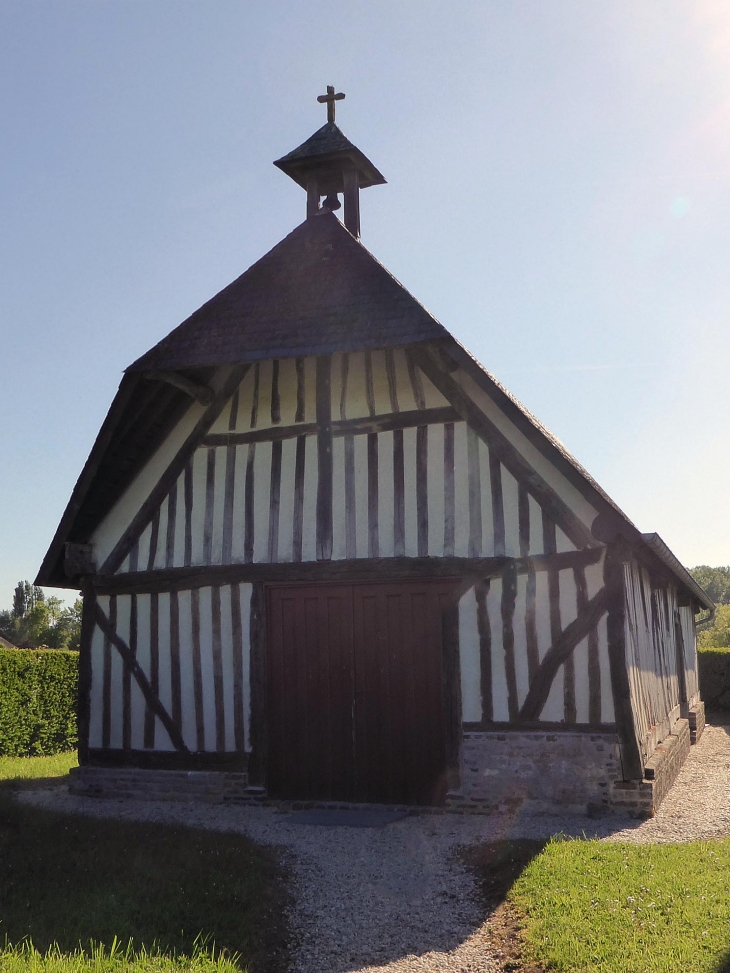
(718, 636)
(36, 620)
(25, 598)
(715, 581)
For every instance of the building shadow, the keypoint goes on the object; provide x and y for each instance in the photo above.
(69, 881)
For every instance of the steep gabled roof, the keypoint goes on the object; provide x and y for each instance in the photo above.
(317, 292)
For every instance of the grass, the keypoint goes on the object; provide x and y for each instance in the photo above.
(617, 908)
(37, 768)
(80, 894)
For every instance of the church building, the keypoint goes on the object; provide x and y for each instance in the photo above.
(327, 558)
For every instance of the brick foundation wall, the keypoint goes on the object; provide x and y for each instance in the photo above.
(538, 772)
(209, 786)
(696, 718)
(568, 771)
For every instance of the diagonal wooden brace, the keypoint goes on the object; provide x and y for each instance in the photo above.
(140, 678)
(558, 652)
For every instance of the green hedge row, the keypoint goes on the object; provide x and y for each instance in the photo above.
(37, 701)
(713, 670)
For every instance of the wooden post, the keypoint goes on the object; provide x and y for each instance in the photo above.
(312, 196)
(84, 684)
(613, 576)
(352, 202)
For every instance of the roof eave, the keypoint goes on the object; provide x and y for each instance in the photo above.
(665, 555)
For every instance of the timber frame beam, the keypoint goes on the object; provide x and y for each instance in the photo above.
(146, 512)
(431, 364)
(470, 570)
(196, 390)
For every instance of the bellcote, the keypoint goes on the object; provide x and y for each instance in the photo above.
(328, 164)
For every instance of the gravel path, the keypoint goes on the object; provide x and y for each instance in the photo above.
(394, 899)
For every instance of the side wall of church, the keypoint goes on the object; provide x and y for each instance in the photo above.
(661, 655)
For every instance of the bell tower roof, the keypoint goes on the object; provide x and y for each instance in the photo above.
(328, 164)
(329, 147)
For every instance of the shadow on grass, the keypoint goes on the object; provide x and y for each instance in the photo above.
(76, 881)
(497, 866)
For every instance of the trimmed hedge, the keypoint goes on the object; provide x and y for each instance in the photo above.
(37, 701)
(713, 670)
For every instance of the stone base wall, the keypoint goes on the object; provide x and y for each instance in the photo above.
(538, 772)
(696, 718)
(572, 772)
(209, 786)
(665, 763)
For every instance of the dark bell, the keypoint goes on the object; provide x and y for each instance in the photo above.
(331, 202)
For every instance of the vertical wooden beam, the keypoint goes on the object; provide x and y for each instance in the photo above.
(352, 202)
(298, 516)
(274, 501)
(175, 675)
(449, 493)
(681, 673)
(369, 386)
(227, 547)
(209, 506)
(350, 514)
(392, 384)
(594, 664)
(373, 529)
(613, 577)
(312, 196)
(149, 714)
(197, 670)
(300, 413)
(416, 383)
(88, 621)
(324, 458)
(248, 509)
(188, 490)
(255, 395)
(475, 493)
(233, 415)
(495, 478)
(533, 653)
(422, 489)
(171, 517)
(258, 682)
(399, 495)
(106, 711)
(275, 396)
(127, 677)
(481, 590)
(220, 716)
(507, 608)
(451, 689)
(237, 633)
(154, 538)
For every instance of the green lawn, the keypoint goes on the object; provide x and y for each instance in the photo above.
(618, 908)
(79, 894)
(35, 768)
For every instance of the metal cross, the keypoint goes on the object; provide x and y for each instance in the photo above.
(330, 98)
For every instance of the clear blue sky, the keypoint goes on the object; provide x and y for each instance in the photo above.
(557, 196)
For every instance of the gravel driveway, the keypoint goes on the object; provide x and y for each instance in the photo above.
(394, 898)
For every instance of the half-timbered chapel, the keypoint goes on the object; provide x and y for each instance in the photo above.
(326, 557)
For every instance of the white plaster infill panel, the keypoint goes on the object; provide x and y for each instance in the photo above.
(110, 530)
(552, 476)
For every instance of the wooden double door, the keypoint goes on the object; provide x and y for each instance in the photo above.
(356, 701)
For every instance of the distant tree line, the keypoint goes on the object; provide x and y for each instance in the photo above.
(716, 582)
(35, 620)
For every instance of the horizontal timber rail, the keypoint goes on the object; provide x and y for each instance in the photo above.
(340, 427)
(373, 569)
